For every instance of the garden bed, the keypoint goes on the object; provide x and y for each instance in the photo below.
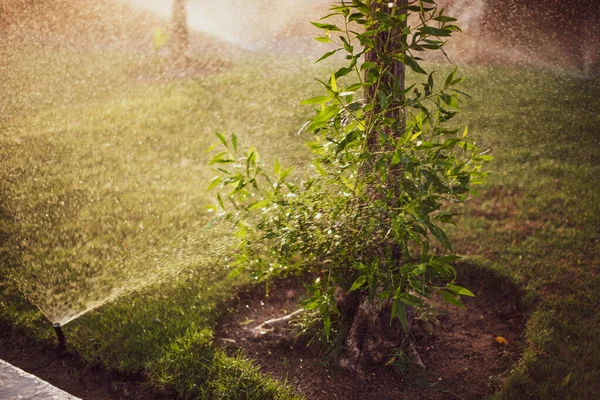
(459, 348)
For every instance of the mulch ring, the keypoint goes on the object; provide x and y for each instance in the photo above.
(460, 348)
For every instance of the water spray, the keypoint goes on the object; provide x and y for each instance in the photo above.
(62, 343)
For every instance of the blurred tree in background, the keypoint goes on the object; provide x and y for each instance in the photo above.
(180, 39)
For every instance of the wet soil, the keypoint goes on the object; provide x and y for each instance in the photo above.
(71, 373)
(459, 348)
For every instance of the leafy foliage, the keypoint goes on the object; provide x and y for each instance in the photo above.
(371, 218)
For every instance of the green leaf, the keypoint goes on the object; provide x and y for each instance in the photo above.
(445, 217)
(241, 184)
(419, 9)
(415, 135)
(435, 181)
(462, 93)
(410, 62)
(566, 380)
(329, 15)
(419, 269)
(259, 204)
(277, 167)
(429, 30)
(212, 220)
(312, 304)
(447, 259)
(324, 117)
(484, 158)
(329, 27)
(285, 173)
(383, 100)
(362, 7)
(399, 311)
(410, 300)
(367, 65)
(323, 39)
(451, 299)
(347, 46)
(342, 72)
(236, 272)
(250, 162)
(461, 291)
(211, 147)
(426, 145)
(353, 87)
(356, 17)
(222, 139)
(440, 235)
(361, 280)
(214, 182)
(349, 138)
(333, 83)
(444, 18)
(327, 55)
(234, 141)
(450, 77)
(220, 159)
(317, 100)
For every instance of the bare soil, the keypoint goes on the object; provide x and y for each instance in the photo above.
(71, 373)
(463, 360)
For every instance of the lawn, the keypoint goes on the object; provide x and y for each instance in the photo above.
(103, 178)
(539, 217)
(104, 182)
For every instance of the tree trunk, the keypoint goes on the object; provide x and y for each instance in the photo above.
(180, 40)
(392, 81)
(373, 339)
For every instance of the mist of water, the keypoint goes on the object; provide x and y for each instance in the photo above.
(544, 33)
(548, 33)
(254, 26)
(495, 32)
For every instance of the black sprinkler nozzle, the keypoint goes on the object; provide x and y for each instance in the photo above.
(62, 344)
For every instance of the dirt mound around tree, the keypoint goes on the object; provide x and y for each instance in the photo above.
(463, 350)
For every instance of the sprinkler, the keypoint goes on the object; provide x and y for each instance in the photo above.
(61, 337)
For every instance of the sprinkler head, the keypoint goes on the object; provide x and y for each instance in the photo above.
(61, 337)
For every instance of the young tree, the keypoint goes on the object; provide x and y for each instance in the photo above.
(180, 40)
(369, 224)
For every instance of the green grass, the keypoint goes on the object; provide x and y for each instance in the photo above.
(103, 181)
(538, 219)
(124, 181)
(104, 194)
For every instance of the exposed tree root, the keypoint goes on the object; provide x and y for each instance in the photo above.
(374, 337)
(371, 341)
(272, 325)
